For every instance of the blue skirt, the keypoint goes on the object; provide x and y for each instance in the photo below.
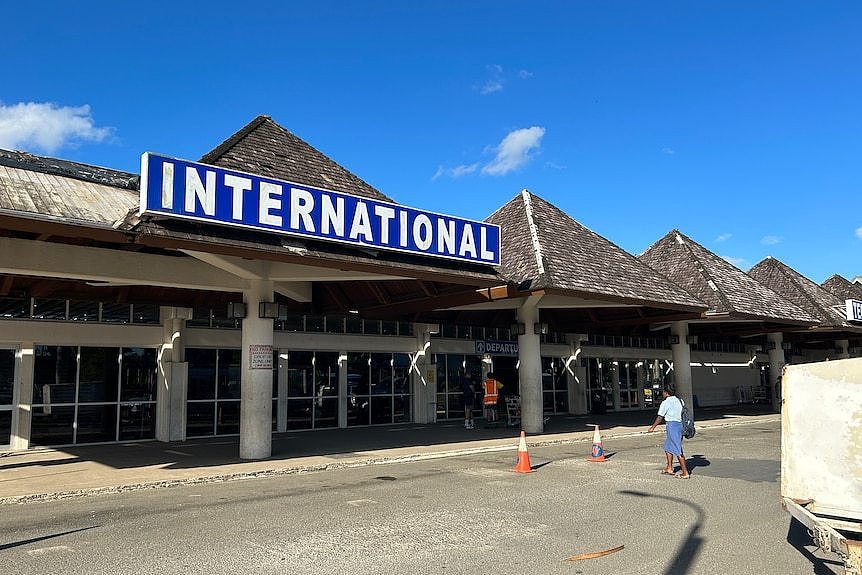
(673, 441)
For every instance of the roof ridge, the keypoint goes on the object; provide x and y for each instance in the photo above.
(69, 169)
(222, 148)
(702, 269)
(783, 268)
(534, 232)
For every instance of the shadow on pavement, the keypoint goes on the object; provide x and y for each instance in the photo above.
(43, 538)
(799, 539)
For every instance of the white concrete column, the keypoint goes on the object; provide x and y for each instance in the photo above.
(844, 346)
(173, 376)
(255, 423)
(576, 374)
(22, 397)
(423, 392)
(776, 364)
(342, 389)
(681, 353)
(530, 370)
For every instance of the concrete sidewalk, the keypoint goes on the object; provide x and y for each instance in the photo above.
(45, 474)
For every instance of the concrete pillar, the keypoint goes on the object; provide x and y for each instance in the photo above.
(255, 417)
(577, 375)
(615, 382)
(641, 371)
(173, 376)
(681, 353)
(22, 398)
(776, 365)
(281, 405)
(844, 346)
(530, 371)
(342, 389)
(424, 392)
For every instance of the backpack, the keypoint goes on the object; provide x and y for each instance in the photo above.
(688, 430)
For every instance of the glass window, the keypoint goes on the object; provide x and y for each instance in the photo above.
(7, 378)
(334, 324)
(49, 308)
(389, 327)
(83, 311)
(116, 313)
(326, 412)
(96, 423)
(52, 426)
(381, 373)
(146, 313)
(55, 372)
(199, 418)
(401, 373)
(371, 327)
(293, 322)
(299, 414)
(300, 374)
(229, 362)
(405, 328)
(200, 317)
(5, 427)
(314, 323)
(354, 324)
(326, 374)
(99, 378)
(227, 421)
(137, 421)
(381, 409)
(454, 372)
(12, 308)
(402, 409)
(138, 380)
(202, 373)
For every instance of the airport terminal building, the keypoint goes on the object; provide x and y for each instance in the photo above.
(265, 289)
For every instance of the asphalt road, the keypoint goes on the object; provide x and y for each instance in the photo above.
(468, 514)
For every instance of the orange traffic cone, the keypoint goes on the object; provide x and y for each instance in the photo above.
(523, 465)
(598, 451)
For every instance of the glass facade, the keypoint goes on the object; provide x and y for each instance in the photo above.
(451, 371)
(555, 385)
(92, 394)
(7, 384)
(378, 388)
(312, 389)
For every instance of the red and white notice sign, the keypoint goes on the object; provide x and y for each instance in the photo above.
(259, 356)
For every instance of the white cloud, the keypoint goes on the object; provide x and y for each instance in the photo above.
(495, 82)
(738, 262)
(46, 126)
(859, 233)
(554, 166)
(771, 240)
(723, 237)
(514, 151)
(524, 74)
(455, 172)
(668, 151)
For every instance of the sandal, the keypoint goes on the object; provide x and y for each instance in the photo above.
(666, 472)
(680, 476)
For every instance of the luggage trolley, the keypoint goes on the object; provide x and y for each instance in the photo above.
(513, 410)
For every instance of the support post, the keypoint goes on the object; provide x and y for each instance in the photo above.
(172, 376)
(22, 416)
(530, 370)
(577, 375)
(255, 423)
(682, 365)
(776, 366)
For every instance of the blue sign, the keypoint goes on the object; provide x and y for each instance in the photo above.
(494, 347)
(188, 190)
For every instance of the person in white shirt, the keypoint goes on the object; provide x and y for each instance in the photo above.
(670, 411)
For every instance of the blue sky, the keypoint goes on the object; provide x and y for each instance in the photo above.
(738, 123)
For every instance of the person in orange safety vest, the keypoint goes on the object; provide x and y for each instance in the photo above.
(492, 389)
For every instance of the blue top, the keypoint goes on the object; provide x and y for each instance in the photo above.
(671, 409)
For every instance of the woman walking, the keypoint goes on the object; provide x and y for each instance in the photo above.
(670, 411)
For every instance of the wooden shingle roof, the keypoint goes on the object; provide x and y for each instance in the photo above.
(263, 147)
(842, 288)
(826, 307)
(727, 289)
(545, 249)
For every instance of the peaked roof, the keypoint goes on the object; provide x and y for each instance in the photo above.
(801, 291)
(264, 147)
(842, 288)
(723, 286)
(543, 248)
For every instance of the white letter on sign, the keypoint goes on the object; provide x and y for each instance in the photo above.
(195, 189)
(301, 204)
(270, 199)
(239, 185)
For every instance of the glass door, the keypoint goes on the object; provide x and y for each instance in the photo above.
(7, 385)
